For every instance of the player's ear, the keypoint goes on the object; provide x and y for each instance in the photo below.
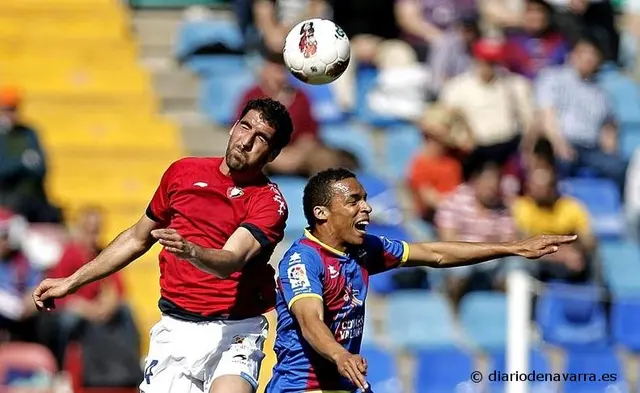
(321, 213)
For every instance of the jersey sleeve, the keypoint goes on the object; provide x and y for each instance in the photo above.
(159, 209)
(385, 254)
(300, 275)
(267, 217)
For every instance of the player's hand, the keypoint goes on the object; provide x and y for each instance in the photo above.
(353, 367)
(174, 243)
(539, 246)
(49, 290)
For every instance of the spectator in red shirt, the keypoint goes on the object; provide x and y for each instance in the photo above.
(305, 155)
(98, 303)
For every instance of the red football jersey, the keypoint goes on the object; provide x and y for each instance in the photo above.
(205, 206)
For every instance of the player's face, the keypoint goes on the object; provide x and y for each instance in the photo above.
(349, 211)
(250, 144)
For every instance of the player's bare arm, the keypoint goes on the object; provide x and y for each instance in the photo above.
(124, 249)
(451, 254)
(308, 311)
(237, 251)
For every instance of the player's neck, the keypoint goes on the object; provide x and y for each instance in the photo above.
(244, 176)
(329, 238)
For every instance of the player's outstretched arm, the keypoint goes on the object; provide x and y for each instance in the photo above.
(237, 251)
(124, 249)
(309, 313)
(450, 254)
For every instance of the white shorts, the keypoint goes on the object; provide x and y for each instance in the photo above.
(186, 357)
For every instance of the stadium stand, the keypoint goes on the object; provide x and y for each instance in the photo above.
(97, 114)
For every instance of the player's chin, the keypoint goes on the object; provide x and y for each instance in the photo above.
(357, 236)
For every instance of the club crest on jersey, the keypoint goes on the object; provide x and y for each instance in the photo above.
(234, 192)
(308, 44)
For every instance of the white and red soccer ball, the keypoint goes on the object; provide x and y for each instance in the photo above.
(317, 51)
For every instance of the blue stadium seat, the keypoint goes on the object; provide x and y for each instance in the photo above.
(625, 95)
(602, 199)
(419, 319)
(594, 362)
(365, 82)
(444, 370)
(194, 35)
(221, 96)
(383, 200)
(352, 138)
(625, 322)
(484, 319)
(292, 189)
(216, 65)
(537, 362)
(323, 102)
(571, 316)
(621, 267)
(629, 140)
(402, 142)
(381, 370)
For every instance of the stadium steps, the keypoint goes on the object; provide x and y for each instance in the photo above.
(178, 89)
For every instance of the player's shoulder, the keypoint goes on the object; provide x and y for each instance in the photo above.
(191, 163)
(300, 252)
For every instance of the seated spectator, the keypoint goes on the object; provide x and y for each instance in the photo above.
(495, 103)
(22, 164)
(434, 172)
(423, 23)
(544, 211)
(18, 278)
(305, 154)
(450, 56)
(476, 212)
(95, 309)
(538, 44)
(275, 18)
(578, 117)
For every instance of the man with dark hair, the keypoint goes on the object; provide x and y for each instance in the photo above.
(216, 282)
(323, 279)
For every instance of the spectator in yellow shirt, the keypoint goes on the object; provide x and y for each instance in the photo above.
(544, 211)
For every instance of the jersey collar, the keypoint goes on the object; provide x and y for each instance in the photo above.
(308, 235)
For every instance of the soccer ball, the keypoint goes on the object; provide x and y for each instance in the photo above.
(317, 51)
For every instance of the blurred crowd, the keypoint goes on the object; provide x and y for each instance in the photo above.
(36, 242)
(507, 99)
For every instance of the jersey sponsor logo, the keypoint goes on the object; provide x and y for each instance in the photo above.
(234, 192)
(350, 328)
(308, 44)
(298, 277)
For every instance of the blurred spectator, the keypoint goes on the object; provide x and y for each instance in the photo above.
(274, 18)
(96, 314)
(544, 211)
(495, 103)
(435, 172)
(305, 155)
(630, 40)
(578, 117)
(424, 23)
(17, 279)
(476, 212)
(451, 55)
(537, 44)
(595, 18)
(368, 24)
(22, 164)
